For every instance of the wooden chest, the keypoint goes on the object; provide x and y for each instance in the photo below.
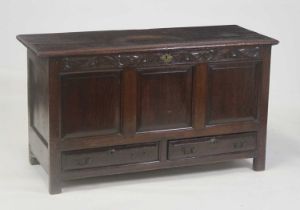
(112, 102)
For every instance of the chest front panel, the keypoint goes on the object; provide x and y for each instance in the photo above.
(163, 92)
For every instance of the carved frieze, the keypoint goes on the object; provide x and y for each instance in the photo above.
(139, 60)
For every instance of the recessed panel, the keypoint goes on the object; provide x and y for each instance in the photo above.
(233, 92)
(164, 98)
(90, 104)
(38, 96)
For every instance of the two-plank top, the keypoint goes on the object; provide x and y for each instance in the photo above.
(103, 42)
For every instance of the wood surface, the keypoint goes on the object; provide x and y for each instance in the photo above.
(102, 42)
(115, 102)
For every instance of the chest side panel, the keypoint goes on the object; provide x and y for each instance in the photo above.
(38, 98)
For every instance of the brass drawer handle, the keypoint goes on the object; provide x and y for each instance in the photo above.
(213, 140)
(83, 161)
(239, 145)
(112, 151)
(188, 150)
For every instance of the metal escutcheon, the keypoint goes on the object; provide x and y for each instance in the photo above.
(167, 58)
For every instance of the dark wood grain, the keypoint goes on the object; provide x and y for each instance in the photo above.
(106, 62)
(129, 102)
(260, 160)
(118, 155)
(199, 94)
(205, 146)
(150, 136)
(38, 98)
(114, 102)
(233, 92)
(38, 109)
(90, 104)
(164, 98)
(99, 42)
(124, 169)
(54, 154)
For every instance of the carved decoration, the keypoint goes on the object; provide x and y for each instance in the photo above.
(155, 58)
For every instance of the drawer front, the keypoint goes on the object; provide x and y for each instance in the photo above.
(197, 147)
(119, 155)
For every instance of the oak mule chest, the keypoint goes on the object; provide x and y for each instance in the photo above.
(113, 102)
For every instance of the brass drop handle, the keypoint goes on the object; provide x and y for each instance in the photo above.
(188, 150)
(213, 140)
(84, 161)
(239, 145)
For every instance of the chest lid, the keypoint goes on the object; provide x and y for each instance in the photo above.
(106, 42)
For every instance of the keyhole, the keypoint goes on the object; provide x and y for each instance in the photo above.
(167, 58)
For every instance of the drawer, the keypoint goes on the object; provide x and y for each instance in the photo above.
(197, 147)
(119, 155)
